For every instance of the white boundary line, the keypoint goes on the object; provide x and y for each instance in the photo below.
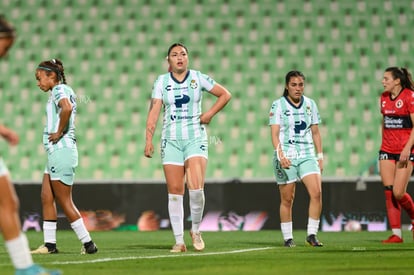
(161, 256)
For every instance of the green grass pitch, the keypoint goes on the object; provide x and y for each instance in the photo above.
(129, 252)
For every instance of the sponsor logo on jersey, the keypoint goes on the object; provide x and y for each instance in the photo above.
(180, 100)
(175, 117)
(397, 122)
(299, 126)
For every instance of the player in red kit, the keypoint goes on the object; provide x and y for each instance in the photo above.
(396, 155)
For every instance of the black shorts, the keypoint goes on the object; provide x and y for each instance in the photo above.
(388, 156)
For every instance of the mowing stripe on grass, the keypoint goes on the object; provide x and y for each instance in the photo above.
(162, 256)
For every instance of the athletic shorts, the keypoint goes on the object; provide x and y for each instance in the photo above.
(3, 168)
(61, 165)
(382, 155)
(178, 151)
(299, 168)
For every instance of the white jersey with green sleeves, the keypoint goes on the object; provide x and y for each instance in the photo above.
(53, 116)
(295, 134)
(182, 104)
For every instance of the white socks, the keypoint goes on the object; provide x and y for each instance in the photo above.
(19, 252)
(287, 228)
(176, 212)
(287, 232)
(197, 201)
(313, 226)
(397, 232)
(79, 227)
(49, 231)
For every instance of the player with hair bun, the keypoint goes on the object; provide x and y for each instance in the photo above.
(396, 154)
(184, 145)
(59, 142)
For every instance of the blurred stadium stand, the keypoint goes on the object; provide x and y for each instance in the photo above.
(114, 49)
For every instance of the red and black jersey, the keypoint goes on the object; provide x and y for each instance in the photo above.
(397, 124)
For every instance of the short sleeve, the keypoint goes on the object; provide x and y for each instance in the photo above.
(274, 113)
(58, 93)
(316, 118)
(411, 102)
(206, 82)
(157, 88)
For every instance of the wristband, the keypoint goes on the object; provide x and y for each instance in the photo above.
(319, 156)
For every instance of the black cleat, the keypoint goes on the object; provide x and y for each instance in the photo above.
(89, 248)
(313, 241)
(289, 243)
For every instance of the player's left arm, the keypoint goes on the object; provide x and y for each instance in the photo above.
(405, 153)
(223, 97)
(317, 141)
(64, 116)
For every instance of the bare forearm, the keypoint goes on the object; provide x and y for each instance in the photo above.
(63, 120)
(153, 114)
(317, 140)
(220, 103)
(149, 133)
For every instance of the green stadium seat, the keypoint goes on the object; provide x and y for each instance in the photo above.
(114, 50)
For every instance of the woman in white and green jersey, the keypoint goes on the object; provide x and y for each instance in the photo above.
(62, 157)
(184, 145)
(297, 145)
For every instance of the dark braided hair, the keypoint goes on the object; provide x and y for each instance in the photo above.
(53, 66)
(403, 75)
(289, 75)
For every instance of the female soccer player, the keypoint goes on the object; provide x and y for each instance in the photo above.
(16, 242)
(184, 145)
(62, 157)
(397, 153)
(295, 136)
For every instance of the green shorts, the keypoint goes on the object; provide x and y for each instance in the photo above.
(300, 168)
(3, 168)
(178, 151)
(61, 165)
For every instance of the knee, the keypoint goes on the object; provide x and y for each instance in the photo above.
(317, 196)
(46, 198)
(287, 201)
(175, 189)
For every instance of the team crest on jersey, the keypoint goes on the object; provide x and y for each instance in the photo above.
(399, 103)
(383, 104)
(193, 84)
(308, 110)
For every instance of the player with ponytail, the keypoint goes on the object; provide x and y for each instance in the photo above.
(59, 141)
(396, 154)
